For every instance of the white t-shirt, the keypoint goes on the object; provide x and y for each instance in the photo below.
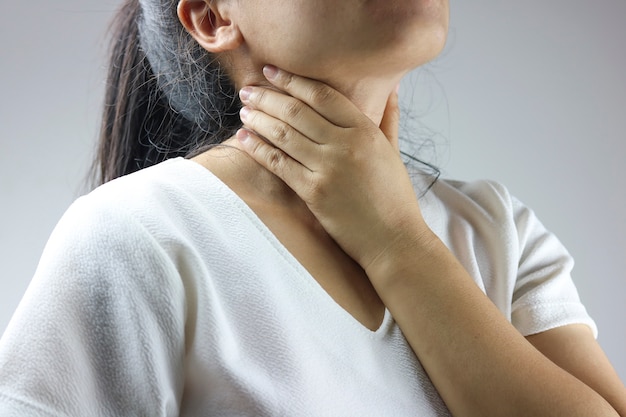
(162, 294)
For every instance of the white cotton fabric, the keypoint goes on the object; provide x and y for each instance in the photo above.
(162, 294)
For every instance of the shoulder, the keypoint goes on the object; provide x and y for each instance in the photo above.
(153, 199)
(481, 202)
(488, 194)
(156, 187)
(120, 248)
(481, 191)
(487, 211)
(139, 219)
(109, 280)
(522, 266)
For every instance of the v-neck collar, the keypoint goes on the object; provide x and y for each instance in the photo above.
(287, 256)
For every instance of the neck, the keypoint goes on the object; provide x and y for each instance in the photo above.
(369, 96)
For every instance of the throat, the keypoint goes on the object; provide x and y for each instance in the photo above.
(250, 180)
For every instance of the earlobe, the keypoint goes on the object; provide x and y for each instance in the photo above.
(207, 23)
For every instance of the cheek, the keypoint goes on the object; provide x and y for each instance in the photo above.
(293, 38)
(412, 24)
(401, 13)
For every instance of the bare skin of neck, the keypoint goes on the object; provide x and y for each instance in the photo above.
(369, 94)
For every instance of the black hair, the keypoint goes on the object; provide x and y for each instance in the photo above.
(143, 120)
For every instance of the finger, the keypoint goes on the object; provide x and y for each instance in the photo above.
(391, 120)
(325, 100)
(292, 111)
(282, 136)
(274, 159)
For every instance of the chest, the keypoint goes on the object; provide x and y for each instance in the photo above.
(336, 273)
(267, 340)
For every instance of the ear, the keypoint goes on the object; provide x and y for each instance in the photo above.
(207, 21)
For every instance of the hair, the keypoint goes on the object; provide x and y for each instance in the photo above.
(165, 95)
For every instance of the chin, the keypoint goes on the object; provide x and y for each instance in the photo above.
(435, 42)
(420, 35)
(417, 47)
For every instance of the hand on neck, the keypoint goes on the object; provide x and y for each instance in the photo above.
(369, 93)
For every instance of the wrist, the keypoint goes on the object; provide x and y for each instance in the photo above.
(407, 252)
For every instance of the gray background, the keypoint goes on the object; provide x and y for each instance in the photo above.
(531, 94)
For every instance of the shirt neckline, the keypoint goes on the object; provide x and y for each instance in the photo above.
(272, 239)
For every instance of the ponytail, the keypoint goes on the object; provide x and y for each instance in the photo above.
(165, 96)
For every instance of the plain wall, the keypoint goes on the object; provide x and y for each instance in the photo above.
(531, 94)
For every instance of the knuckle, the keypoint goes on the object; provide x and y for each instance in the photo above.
(320, 94)
(275, 160)
(293, 110)
(316, 189)
(313, 193)
(280, 133)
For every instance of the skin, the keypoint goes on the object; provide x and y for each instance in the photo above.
(248, 34)
(308, 136)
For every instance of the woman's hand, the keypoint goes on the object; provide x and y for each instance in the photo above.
(345, 168)
(348, 171)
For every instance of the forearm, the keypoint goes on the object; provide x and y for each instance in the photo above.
(349, 174)
(480, 364)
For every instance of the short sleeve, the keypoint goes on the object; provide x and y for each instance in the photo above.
(544, 296)
(99, 331)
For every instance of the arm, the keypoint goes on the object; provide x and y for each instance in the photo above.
(481, 365)
(461, 338)
(574, 349)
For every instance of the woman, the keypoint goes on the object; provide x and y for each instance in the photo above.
(297, 269)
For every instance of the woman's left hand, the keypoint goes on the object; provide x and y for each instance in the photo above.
(345, 168)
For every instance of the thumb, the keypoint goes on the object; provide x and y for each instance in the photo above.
(391, 119)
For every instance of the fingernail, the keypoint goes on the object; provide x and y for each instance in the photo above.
(270, 72)
(397, 88)
(243, 135)
(244, 112)
(245, 93)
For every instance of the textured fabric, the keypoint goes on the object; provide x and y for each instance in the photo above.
(162, 294)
